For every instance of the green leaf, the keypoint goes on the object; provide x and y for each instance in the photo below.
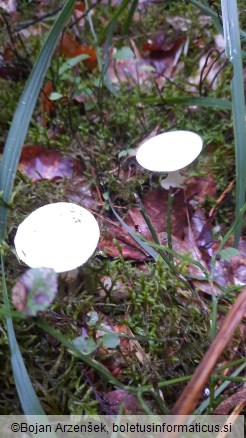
(124, 53)
(72, 62)
(227, 253)
(35, 290)
(123, 154)
(85, 344)
(110, 340)
(55, 96)
(92, 318)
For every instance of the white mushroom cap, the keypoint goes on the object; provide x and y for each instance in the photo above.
(61, 236)
(169, 151)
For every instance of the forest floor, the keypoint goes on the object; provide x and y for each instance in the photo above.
(148, 321)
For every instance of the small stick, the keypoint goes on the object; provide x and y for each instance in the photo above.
(189, 398)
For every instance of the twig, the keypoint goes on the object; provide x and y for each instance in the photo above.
(189, 398)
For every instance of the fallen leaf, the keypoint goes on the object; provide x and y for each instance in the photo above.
(9, 6)
(79, 191)
(38, 163)
(114, 237)
(198, 187)
(162, 53)
(155, 205)
(114, 399)
(35, 290)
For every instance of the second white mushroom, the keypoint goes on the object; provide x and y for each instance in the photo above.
(169, 152)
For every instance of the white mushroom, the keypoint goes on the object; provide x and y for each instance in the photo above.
(61, 236)
(169, 152)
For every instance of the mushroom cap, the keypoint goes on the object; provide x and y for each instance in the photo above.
(169, 151)
(61, 236)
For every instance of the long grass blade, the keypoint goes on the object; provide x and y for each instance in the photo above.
(233, 51)
(126, 25)
(29, 401)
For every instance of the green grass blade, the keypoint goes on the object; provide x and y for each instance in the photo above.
(29, 401)
(126, 25)
(154, 236)
(233, 51)
(23, 114)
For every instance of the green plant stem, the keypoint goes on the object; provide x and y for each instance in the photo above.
(208, 11)
(229, 378)
(213, 320)
(203, 102)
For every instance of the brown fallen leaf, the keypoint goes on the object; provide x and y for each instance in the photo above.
(197, 188)
(114, 399)
(158, 62)
(77, 189)
(155, 205)
(115, 236)
(239, 397)
(48, 106)
(39, 163)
